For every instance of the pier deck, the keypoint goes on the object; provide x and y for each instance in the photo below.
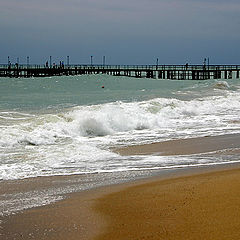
(175, 72)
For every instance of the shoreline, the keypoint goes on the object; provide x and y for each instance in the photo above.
(39, 191)
(84, 212)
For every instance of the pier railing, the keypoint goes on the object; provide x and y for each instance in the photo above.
(126, 67)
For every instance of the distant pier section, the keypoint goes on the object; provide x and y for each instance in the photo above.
(174, 72)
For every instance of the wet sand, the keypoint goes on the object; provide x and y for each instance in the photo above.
(185, 205)
(196, 203)
(184, 146)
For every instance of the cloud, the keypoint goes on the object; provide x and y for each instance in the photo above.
(95, 25)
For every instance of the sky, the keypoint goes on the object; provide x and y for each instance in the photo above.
(125, 32)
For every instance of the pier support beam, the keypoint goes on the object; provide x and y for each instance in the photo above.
(230, 75)
(237, 75)
(225, 74)
(149, 74)
(193, 75)
(138, 74)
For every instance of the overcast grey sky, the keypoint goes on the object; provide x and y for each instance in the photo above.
(126, 31)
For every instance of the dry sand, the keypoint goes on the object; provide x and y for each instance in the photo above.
(205, 206)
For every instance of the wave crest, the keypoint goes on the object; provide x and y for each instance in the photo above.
(160, 114)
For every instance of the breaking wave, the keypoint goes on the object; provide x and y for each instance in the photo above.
(160, 114)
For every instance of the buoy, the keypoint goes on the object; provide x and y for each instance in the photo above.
(102, 86)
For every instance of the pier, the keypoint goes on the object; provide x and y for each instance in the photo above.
(174, 72)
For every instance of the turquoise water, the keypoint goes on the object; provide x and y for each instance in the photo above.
(57, 92)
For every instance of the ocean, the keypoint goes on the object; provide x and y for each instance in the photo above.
(69, 125)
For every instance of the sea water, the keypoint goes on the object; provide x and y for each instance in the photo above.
(68, 125)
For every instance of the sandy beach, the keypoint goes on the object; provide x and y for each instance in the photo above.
(194, 203)
(205, 206)
(199, 205)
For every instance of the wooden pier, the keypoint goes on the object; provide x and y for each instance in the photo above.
(175, 72)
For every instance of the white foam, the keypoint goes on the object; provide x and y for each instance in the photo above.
(221, 85)
(77, 140)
